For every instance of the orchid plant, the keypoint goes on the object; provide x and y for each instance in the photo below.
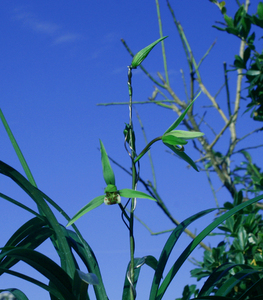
(68, 282)
(174, 139)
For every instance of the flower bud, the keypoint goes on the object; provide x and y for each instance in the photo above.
(141, 55)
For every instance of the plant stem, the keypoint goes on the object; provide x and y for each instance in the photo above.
(161, 35)
(147, 148)
(134, 178)
(149, 153)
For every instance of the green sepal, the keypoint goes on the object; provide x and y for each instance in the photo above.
(88, 207)
(187, 135)
(183, 155)
(173, 140)
(128, 193)
(181, 117)
(140, 56)
(108, 174)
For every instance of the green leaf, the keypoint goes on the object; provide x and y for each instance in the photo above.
(216, 278)
(138, 263)
(238, 15)
(52, 290)
(181, 117)
(128, 193)
(36, 195)
(242, 238)
(189, 249)
(20, 205)
(239, 63)
(219, 28)
(142, 54)
(30, 235)
(233, 281)
(17, 150)
(253, 72)
(87, 256)
(88, 207)
(183, 156)
(230, 30)
(167, 249)
(108, 174)
(19, 295)
(229, 21)
(246, 55)
(81, 282)
(45, 266)
(260, 10)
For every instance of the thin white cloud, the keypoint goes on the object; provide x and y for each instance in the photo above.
(50, 29)
(67, 38)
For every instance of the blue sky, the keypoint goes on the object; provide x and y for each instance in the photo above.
(61, 58)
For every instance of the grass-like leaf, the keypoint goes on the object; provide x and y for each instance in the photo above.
(167, 249)
(20, 205)
(87, 256)
(183, 156)
(215, 278)
(67, 261)
(181, 117)
(30, 235)
(189, 249)
(19, 295)
(46, 267)
(234, 280)
(17, 150)
(138, 263)
(88, 207)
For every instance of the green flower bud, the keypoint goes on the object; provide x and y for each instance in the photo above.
(141, 55)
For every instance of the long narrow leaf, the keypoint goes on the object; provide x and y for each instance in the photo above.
(184, 156)
(189, 249)
(54, 291)
(256, 286)
(181, 117)
(62, 247)
(233, 281)
(20, 205)
(46, 267)
(215, 278)
(19, 295)
(30, 235)
(17, 150)
(167, 249)
(138, 263)
(88, 207)
(88, 257)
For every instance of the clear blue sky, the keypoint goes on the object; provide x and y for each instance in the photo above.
(58, 60)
